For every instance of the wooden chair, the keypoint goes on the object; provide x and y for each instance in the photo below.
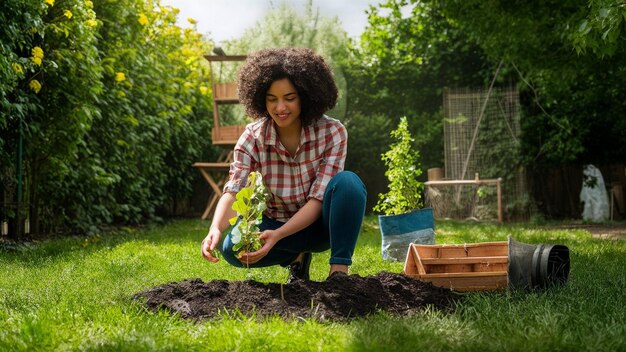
(216, 173)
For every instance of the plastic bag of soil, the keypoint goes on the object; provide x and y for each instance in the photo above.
(399, 231)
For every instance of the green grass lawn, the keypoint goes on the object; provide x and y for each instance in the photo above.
(75, 294)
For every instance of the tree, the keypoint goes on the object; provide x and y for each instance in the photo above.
(602, 28)
(406, 57)
(405, 60)
(570, 96)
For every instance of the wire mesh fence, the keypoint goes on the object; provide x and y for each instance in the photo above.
(475, 202)
(481, 136)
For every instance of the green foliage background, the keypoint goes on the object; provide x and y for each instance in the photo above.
(565, 57)
(119, 107)
(571, 94)
(400, 67)
(120, 117)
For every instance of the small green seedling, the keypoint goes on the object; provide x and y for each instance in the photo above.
(250, 205)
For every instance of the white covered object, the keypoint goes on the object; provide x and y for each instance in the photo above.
(594, 195)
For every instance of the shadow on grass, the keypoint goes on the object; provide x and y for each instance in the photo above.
(190, 232)
(176, 232)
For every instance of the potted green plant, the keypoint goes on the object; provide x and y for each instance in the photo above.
(403, 221)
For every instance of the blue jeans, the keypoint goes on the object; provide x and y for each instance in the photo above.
(343, 208)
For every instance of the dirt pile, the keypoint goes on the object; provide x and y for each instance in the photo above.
(340, 297)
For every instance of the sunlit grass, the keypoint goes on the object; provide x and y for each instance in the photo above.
(76, 293)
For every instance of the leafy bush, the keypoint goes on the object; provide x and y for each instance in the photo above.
(50, 103)
(403, 168)
(114, 106)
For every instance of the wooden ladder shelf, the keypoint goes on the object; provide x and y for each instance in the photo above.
(216, 173)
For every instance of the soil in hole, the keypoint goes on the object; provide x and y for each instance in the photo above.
(340, 297)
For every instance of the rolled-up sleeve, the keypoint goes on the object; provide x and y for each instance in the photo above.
(244, 161)
(333, 161)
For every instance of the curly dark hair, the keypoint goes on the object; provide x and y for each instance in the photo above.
(306, 70)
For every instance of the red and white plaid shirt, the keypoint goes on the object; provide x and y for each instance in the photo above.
(291, 181)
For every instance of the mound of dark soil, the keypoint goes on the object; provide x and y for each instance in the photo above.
(338, 298)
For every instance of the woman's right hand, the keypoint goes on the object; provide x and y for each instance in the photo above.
(209, 243)
(223, 212)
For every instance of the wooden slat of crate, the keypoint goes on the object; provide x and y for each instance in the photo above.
(464, 268)
(464, 264)
(489, 249)
(412, 264)
(467, 250)
(457, 275)
(483, 281)
(466, 260)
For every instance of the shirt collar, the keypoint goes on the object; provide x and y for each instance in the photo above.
(271, 137)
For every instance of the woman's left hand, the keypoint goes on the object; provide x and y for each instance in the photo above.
(269, 239)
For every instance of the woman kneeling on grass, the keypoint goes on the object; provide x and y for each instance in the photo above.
(314, 205)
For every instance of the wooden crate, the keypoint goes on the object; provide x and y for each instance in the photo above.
(464, 267)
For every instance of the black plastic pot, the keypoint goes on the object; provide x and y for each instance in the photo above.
(537, 266)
